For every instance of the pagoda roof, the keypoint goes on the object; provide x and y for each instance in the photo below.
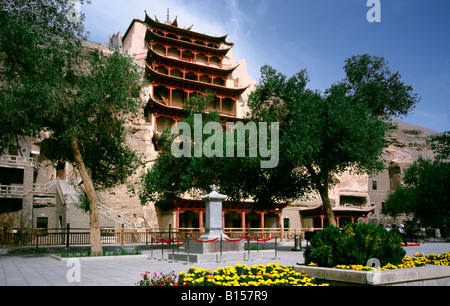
(164, 79)
(173, 27)
(153, 56)
(150, 35)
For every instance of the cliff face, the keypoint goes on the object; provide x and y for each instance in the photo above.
(407, 143)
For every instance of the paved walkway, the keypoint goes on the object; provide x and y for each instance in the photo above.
(43, 270)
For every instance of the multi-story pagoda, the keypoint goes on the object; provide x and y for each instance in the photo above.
(180, 63)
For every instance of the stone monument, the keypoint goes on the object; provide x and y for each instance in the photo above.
(214, 227)
(213, 242)
(214, 239)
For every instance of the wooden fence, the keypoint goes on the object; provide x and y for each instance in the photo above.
(122, 236)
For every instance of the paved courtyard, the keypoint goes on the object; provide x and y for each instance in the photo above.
(43, 270)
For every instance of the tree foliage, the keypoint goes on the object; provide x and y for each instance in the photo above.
(51, 84)
(103, 96)
(424, 194)
(355, 245)
(322, 135)
(37, 47)
(440, 144)
(240, 178)
(370, 82)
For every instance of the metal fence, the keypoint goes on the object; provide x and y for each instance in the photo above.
(81, 236)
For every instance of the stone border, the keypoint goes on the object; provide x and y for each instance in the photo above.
(215, 257)
(90, 258)
(428, 275)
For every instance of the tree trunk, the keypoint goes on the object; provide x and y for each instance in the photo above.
(323, 191)
(94, 222)
(322, 185)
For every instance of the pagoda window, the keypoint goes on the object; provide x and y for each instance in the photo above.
(186, 39)
(176, 73)
(214, 105)
(159, 49)
(172, 36)
(219, 81)
(178, 97)
(161, 93)
(162, 69)
(163, 123)
(188, 56)
(215, 61)
(191, 76)
(228, 105)
(202, 58)
(213, 46)
(173, 52)
(198, 42)
(205, 79)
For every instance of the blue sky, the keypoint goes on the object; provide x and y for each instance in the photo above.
(316, 35)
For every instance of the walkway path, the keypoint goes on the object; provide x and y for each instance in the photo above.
(43, 270)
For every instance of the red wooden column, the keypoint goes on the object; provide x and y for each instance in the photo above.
(262, 219)
(243, 219)
(177, 218)
(220, 102)
(200, 219)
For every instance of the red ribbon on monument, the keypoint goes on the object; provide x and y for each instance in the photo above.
(236, 240)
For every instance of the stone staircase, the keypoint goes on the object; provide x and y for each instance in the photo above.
(70, 194)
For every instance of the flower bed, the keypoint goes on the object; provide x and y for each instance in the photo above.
(154, 279)
(239, 275)
(275, 275)
(419, 270)
(418, 260)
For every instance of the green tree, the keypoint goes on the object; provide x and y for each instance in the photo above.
(440, 144)
(80, 98)
(322, 135)
(240, 178)
(424, 194)
(35, 45)
(370, 82)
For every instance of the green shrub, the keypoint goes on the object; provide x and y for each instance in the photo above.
(355, 245)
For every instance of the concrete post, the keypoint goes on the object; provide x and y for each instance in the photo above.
(27, 200)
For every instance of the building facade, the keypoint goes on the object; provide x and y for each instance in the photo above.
(28, 195)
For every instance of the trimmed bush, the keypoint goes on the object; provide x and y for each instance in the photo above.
(355, 245)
